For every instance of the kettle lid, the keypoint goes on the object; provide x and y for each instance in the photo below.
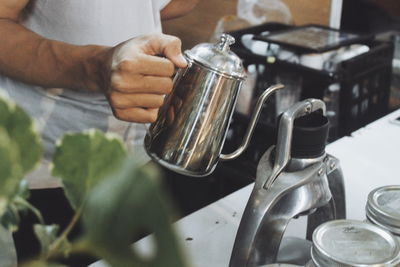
(218, 57)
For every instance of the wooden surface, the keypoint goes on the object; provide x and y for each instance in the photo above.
(199, 25)
(309, 11)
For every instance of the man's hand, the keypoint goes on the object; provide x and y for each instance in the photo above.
(134, 75)
(140, 75)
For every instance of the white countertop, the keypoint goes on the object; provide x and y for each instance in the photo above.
(369, 159)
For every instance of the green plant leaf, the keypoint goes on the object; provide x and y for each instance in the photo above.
(122, 208)
(13, 188)
(47, 234)
(10, 170)
(20, 151)
(23, 189)
(21, 130)
(10, 218)
(42, 264)
(83, 159)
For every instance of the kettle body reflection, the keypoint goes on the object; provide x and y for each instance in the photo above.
(191, 127)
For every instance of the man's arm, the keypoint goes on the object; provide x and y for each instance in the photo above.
(133, 78)
(178, 8)
(31, 58)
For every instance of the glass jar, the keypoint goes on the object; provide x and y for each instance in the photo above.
(383, 208)
(349, 243)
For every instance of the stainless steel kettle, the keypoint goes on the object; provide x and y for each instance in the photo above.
(191, 127)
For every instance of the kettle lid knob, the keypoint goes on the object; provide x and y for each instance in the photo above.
(218, 57)
(225, 41)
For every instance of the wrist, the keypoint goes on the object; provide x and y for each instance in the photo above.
(96, 69)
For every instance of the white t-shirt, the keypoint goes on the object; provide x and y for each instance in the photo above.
(56, 110)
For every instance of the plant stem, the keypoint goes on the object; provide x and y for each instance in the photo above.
(80, 247)
(58, 242)
(26, 204)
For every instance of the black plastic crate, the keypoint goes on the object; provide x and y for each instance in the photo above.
(365, 87)
(364, 81)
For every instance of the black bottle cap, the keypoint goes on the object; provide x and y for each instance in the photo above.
(310, 134)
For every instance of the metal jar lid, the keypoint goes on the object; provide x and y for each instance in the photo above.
(218, 57)
(349, 243)
(383, 208)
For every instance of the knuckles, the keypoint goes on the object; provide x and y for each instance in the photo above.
(125, 77)
(168, 86)
(141, 84)
(124, 82)
(152, 117)
(117, 84)
(116, 100)
(126, 101)
(147, 116)
(159, 101)
(169, 69)
(127, 66)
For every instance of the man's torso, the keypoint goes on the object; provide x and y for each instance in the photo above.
(80, 22)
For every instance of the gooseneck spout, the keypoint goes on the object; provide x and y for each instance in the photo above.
(253, 122)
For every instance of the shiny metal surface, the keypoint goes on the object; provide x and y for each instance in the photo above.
(284, 142)
(268, 212)
(191, 127)
(294, 250)
(350, 243)
(296, 164)
(190, 130)
(296, 187)
(280, 265)
(336, 208)
(253, 122)
(218, 58)
(383, 208)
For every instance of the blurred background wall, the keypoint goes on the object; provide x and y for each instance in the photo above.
(198, 26)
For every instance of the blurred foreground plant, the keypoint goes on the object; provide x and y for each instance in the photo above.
(20, 151)
(115, 199)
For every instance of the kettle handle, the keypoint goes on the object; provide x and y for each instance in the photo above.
(254, 118)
